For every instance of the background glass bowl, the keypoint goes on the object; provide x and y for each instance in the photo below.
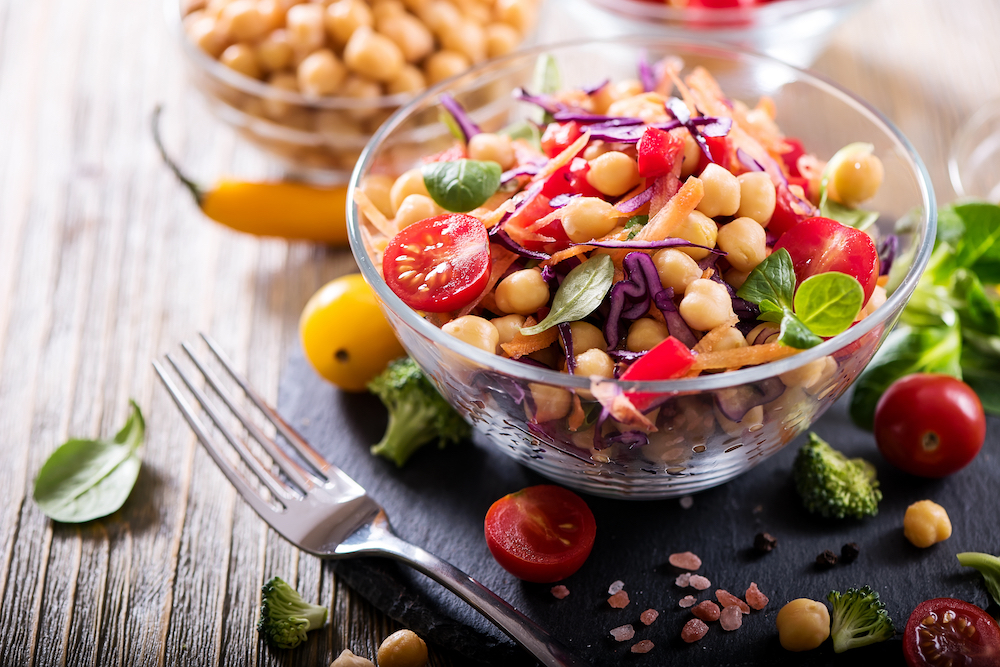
(795, 31)
(974, 160)
(520, 408)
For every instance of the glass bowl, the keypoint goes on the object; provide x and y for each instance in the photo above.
(974, 160)
(699, 441)
(317, 138)
(795, 31)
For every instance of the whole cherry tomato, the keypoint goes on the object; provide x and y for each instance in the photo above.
(929, 424)
(938, 634)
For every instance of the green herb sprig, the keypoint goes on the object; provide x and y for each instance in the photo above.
(461, 185)
(580, 294)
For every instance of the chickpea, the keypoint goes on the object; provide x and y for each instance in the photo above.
(343, 17)
(594, 362)
(373, 55)
(745, 243)
(273, 13)
(612, 92)
(320, 73)
(757, 197)
(477, 11)
(445, 64)
(493, 148)
(856, 179)
(752, 421)
(384, 9)
(736, 278)
(613, 173)
(700, 229)
(810, 375)
(501, 39)
(440, 16)
(410, 183)
(214, 8)
(588, 218)
(305, 28)
(415, 6)
(348, 659)
(522, 292)
(274, 52)
(731, 339)
(273, 107)
(468, 38)
(242, 20)
(692, 153)
(476, 332)
(585, 337)
(596, 149)
(647, 106)
(377, 187)
(706, 305)
(409, 80)
(803, 625)
(410, 35)
(550, 403)
(926, 523)
(414, 209)
(508, 327)
(722, 191)
(239, 57)
(645, 334)
(677, 269)
(207, 35)
(402, 648)
(877, 298)
(518, 13)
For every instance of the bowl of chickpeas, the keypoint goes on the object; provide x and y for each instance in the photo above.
(310, 82)
(573, 406)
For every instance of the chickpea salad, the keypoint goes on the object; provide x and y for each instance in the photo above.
(646, 229)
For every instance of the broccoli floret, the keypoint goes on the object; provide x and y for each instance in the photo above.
(832, 485)
(285, 617)
(988, 566)
(417, 412)
(859, 618)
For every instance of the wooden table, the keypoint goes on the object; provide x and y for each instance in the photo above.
(105, 264)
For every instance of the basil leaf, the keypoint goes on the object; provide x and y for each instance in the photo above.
(525, 130)
(461, 185)
(87, 479)
(452, 124)
(772, 280)
(829, 302)
(796, 334)
(580, 294)
(635, 225)
(546, 79)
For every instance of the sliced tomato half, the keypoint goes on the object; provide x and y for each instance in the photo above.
(944, 632)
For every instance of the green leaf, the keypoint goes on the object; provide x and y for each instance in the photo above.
(772, 280)
(980, 240)
(525, 130)
(461, 185)
(87, 479)
(546, 79)
(449, 121)
(906, 350)
(580, 294)
(635, 225)
(988, 566)
(796, 334)
(981, 368)
(828, 303)
(975, 309)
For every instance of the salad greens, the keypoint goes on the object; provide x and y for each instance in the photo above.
(525, 130)
(580, 294)
(461, 185)
(988, 566)
(824, 305)
(84, 480)
(952, 322)
(828, 208)
(635, 225)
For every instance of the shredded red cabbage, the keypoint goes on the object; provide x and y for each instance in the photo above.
(587, 118)
(747, 161)
(634, 244)
(636, 202)
(630, 297)
(676, 325)
(451, 105)
(736, 402)
(745, 310)
(590, 90)
(887, 251)
(626, 355)
(566, 338)
(713, 127)
(503, 239)
(561, 200)
(526, 169)
(646, 75)
(632, 439)
(546, 102)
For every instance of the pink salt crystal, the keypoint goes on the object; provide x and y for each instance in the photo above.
(647, 617)
(560, 592)
(645, 646)
(615, 587)
(731, 618)
(623, 633)
(619, 600)
(687, 601)
(706, 611)
(685, 561)
(683, 580)
(755, 598)
(699, 582)
(727, 599)
(693, 630)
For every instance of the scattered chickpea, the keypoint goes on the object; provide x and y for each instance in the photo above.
(306, 32)
(926, 523)
(507, 326)
(595, 362)
(409, 80)
(549, 402)
(645, 334)
(402, 648)
(803, 625)
(588, 218)
(373, 55)
(518, 13)
(410, 183)
(722, 191)
(207, 35)
(348, 659)
(468, 38)
(242, 20)
(410, 35)
(522, 292)
(745, 243)
(856, 179)
(274, 52)
(677, 269)
(414, 209)
(492, 147)
(501, 39)
(475, 331)
(613, 173)
(344, 17)
(757, 197)
(586, 337)
(700, 229)
(706, 305)
(444, 64)
(320, 73)
(240, 57)
(377, 187)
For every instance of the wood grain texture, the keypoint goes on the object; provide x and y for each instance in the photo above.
(105, 264)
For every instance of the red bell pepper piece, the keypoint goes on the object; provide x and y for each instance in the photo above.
(658, 151)
(668, 360)
(558, 136)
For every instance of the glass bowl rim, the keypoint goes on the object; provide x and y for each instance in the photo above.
(769, 14)
(727, 379)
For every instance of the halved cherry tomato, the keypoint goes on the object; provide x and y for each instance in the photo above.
(541, 533)
(785, 215)
(791, 157)
(558, 136)
(944, 631)
(657, 151)
(929, 424)
(438, 264)
(818, 245)
(668, 360)
(570, 180)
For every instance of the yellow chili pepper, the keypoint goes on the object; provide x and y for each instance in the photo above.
(288, 209)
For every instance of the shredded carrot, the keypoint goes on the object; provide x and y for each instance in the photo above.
(376, 246)
(668, 218)
(882, 280)
(712, 338)
(502, 259)
(576, 415)
(707, 274)
(375, 216)
(671, 67)
(742, 356)
(522, 345)
(564, 158)
(489, 302)
(491, 217)
(563, 255)
(675, 76)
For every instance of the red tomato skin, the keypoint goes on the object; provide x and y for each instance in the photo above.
(934, 408)
(657, 152)
(791, 157)
(985, 652)
(459, 239)
(519, 533)
(818, 245)
(558, 136)
(785, 216)
(721, 154)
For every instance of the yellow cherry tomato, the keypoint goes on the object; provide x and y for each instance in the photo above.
(344, 334)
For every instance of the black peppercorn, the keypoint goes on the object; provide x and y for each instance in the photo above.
(826, 559)
(764, 543)
(849, 552)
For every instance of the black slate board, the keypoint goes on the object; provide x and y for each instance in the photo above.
(439, 499)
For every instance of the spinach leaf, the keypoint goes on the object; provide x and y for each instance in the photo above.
(461, 185)
(635, 225)
(526, 130)
(794, 333)
(580, 294)
(979, 247)
(87, 479)
(828, 303)
(772, 280)
(906, 350)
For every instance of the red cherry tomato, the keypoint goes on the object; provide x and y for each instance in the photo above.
(818, 245)
(937, 634)
(439, 264)
(541, 533)
(570, 180)
(657, 152)
(558, 136)
(721, 154)
(791, 157)
(929, 424)
(668, 360)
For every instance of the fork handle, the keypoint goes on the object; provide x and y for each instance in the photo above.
(519, 627)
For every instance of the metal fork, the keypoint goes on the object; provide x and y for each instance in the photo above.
(329, 514)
